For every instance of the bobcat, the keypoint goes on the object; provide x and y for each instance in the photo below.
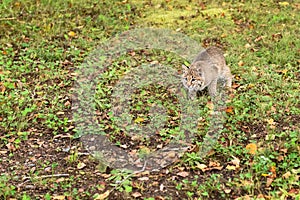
(206, 70)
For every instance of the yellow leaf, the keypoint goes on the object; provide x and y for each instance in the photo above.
(252, 148)
(230, 167)
(102, 196)
(139, 120)
(72, 34)
(270, 121)
(60, 197)
(284, 3)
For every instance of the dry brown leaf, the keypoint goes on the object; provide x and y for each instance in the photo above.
(136, 194)
(241, 63)
(236, 161)
(60, 180)
(3, 152)
(247, 197)
(286, 175)
(269, 181)
(143, 178)
(213, 164)
(81, 165)
(210, 105)
(103, 195)
(260, 196)
(229, 110)
(159, 198)
(183, 174)
(202, 167)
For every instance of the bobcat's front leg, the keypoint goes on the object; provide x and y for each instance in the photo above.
(212, 88)
(192, 94)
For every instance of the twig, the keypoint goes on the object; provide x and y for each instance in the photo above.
(8, 18)
(47, 176)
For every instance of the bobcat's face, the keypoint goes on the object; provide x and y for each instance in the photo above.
(192, 79)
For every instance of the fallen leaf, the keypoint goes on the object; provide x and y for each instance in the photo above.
(273, 169)
(139, 120)
(3, 152)
(72, 34)
(10, 147)
(202, 167)
(143, 178)
(210, 105)
(294, 191)
(161, 187)
(283, 3)
(258, 39)
(247, 46)
(136, 194)
(231, 167)
(183, 174)
(217, 168)
(271, 121)
(227, 191)
(269, 181)
(102, 196)
(81, 165)
(229, 109)
(60, 180)
(260, 196)
(284, 150)
(60, 197)
(236, 161)
(241, 63)
(247, 197)
(280, 158)
(251, 148)
(286, 175)
(213, 164)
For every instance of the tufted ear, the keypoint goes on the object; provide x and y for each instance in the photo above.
(184, 68)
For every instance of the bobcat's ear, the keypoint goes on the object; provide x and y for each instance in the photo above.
(185, 68)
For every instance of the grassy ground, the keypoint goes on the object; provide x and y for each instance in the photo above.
(42, 42)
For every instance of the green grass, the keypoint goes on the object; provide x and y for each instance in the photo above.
(39, 55)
